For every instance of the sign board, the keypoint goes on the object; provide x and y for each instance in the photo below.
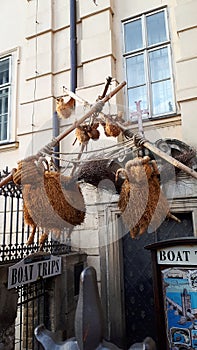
(180, 306)
(178, 255)
(175, 291)
(32, 268)
(179, 289)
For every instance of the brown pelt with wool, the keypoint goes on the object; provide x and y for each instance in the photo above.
(100, 173)
(111, 129)
(63, 109)
(52, 202)
(141, 200)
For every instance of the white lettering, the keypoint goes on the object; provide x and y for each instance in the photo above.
(22, 272)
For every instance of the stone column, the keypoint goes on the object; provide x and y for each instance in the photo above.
(62, 293)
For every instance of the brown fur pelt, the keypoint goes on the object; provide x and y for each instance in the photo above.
(141, 200)
(51, 201)
(64, 109)
(85, 132)
(94, 134)
(81, 134)
(111, 129)
(97, 171)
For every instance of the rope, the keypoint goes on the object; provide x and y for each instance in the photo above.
(128, 143)
(116, 152)
(138, 140)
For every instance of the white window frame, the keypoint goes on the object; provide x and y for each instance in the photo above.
(145, 50)
(13, 56)
(7, 86)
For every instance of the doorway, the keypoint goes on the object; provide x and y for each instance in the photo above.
(138, 286)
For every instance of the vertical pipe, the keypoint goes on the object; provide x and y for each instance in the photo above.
(73, 73)
(73, 46)
(55, 134)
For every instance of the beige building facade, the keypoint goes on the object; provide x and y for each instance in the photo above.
(149, 44)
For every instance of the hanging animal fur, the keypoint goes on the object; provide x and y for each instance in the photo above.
(52, 202)
(85, 132)
(93, 133)
(111, 129)
(95, 172)
(141, 200)
(63, 109)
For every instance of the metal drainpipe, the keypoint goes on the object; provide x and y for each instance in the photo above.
(73, 46)
(73, 73)
(55, 134)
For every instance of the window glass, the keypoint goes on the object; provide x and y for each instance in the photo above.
(156, 29)
(3, 113)
(4, 71)
(159, 64)
(3, 127)
(137, 94)
(133, 35)
(162, 97)
(148, 68)
(3, 101)
(135, 70)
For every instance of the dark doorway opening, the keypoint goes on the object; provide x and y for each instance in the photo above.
(138, 286)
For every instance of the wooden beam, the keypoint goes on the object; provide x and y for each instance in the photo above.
(145, 143)
(95, 109)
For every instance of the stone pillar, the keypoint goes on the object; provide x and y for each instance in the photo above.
(63, 293)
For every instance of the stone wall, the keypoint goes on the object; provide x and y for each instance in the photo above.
(8, 309)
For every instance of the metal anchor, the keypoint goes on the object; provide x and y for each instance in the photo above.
(88, 321)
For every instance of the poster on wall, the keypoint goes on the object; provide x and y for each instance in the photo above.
(180, 303)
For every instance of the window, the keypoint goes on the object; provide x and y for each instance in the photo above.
(148, 64)
(5, 86)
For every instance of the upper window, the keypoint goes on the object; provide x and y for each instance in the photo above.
(5, 86)
(148, 64)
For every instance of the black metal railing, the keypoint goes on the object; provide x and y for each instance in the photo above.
(31, 311)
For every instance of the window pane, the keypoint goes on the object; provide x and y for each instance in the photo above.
(135, 70)
(162, 98)
(4, 71)
(133, 35)
(156, 28)
(3, 114)
(3, 127)
(137, 94)
(3, 101)
(159, 64)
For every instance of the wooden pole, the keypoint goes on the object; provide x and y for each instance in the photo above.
(8, 178)
(170, 159)
(145, 143)
(95, 109)
(130, 134)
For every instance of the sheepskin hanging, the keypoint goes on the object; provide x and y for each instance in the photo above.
(141, 200)
(85, 132)
(51, 201)
(63, 109)
(97, 171)
(110, 128)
